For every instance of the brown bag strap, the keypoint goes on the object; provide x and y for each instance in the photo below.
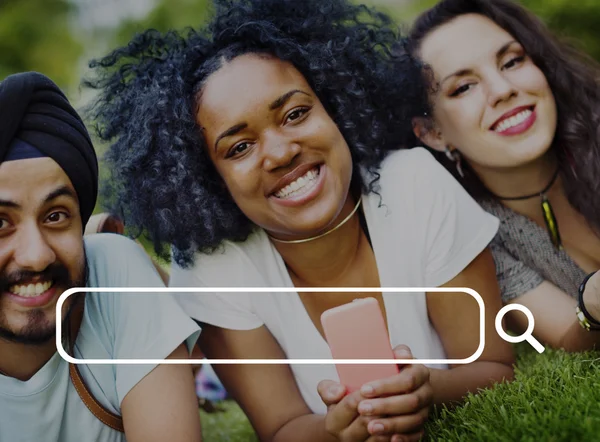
(105, 416)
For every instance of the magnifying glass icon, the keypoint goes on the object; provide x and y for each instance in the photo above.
(527, 336)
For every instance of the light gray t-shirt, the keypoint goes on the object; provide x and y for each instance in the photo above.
(116, 326)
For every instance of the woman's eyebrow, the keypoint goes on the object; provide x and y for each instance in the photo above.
(229, 132)
(504, 49)
(279, 102)
(459, 73)
(284, 98)
(499, 53)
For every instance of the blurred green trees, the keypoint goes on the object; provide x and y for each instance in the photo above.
(575, 21)
(167, 14)
(47, 36)
(37, 35)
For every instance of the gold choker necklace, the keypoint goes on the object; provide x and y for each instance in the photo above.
(298, 241)
(549, 217)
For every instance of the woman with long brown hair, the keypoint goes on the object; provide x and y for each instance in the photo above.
(513, 114)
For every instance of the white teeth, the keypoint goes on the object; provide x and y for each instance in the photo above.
(300, 185)
(30, 290)
(513, 121)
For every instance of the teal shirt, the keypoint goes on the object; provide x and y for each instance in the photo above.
(116, 326)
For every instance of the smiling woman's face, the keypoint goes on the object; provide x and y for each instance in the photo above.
(493, 103)
(281, 156)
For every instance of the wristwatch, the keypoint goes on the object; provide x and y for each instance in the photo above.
(586, 320)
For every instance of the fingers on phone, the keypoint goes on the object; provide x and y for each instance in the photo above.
(349, 405)
(406, 381)
(403, 352)
(404, 424)
(331, 392)
(358, 431)
(396, 405)
(342, 416)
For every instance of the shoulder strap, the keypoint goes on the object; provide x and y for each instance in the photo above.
(105, 416)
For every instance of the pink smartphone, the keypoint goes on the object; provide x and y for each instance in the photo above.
(357, 331)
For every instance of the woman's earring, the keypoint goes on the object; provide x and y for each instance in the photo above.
(454, 156)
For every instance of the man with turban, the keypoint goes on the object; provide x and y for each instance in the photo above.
(48, 190)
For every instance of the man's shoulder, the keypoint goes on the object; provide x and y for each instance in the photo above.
(109, 244)
(115, 259)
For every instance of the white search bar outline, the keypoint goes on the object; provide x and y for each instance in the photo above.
(63, 297)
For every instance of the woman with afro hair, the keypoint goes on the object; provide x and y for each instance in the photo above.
(265, 150)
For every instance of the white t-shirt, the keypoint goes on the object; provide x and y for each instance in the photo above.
(115, 326)
(425, 230)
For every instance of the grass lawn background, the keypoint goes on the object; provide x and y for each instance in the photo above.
(555, 397)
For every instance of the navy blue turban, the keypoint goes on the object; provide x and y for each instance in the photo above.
(35, 112)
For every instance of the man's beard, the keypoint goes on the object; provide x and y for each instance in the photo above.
(39, 330)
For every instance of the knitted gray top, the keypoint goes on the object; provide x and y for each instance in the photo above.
(525, 256)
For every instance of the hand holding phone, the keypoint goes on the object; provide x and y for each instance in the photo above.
(357, 331)
(386, 415)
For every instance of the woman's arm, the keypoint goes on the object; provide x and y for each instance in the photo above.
(268, 394)
(163, 405)
(455, 317)
(555, 320)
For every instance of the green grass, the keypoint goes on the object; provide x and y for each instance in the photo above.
(555, 397)
(230, 425)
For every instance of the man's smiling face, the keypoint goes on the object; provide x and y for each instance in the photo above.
(41, 247)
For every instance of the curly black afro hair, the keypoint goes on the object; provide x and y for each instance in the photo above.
(162, 181)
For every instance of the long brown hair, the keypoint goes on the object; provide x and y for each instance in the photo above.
(573, 79)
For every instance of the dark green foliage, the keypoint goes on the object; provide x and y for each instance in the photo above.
(35, 35)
